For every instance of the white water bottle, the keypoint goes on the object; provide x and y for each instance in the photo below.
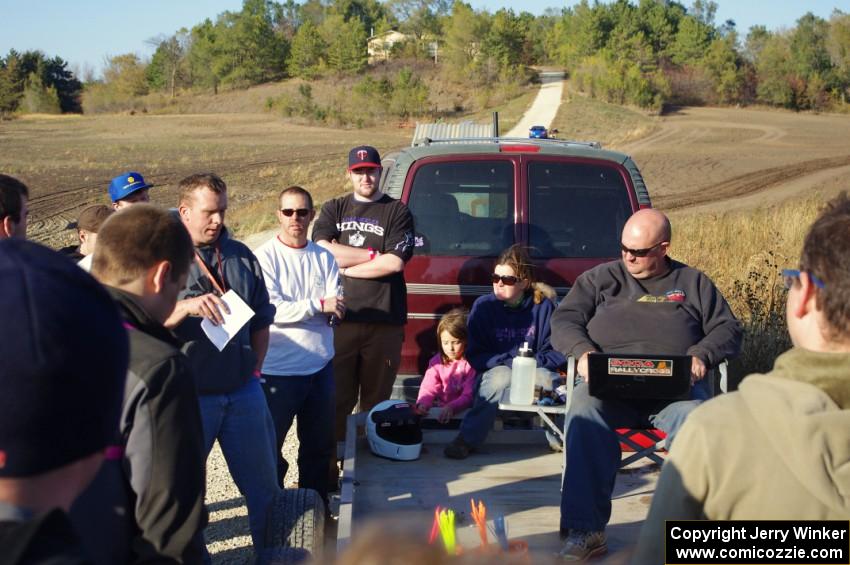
(522, 376)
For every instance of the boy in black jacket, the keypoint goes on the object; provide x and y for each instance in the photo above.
(143, 257)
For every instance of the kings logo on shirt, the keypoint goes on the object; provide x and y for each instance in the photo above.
(356, 239)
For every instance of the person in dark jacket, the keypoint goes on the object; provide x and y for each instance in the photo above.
(143, 257)
(643, 303)
(233, 406)
(87, 226)
(14, 211)
(516, 313)
(64, 356)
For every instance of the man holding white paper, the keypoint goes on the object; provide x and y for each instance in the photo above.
(233, 407)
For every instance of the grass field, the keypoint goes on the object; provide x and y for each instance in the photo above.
(68, 161)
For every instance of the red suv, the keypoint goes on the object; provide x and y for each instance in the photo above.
(472, 198)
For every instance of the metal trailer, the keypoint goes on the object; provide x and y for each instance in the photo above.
(515, 474)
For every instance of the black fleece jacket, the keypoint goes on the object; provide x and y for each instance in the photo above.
(159, 482)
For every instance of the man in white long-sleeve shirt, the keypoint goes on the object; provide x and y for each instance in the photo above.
(297, 374)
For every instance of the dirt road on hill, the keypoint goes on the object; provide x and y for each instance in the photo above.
(715, 159)
(545, 105)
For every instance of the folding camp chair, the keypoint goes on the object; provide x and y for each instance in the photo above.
(645, 442)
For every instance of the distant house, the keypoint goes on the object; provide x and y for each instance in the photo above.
(380, 46)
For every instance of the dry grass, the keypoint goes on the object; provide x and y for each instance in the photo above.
(743, 254)
(582, 118)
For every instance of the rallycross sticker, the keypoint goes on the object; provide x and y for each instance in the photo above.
(646, 367)
(675, 295)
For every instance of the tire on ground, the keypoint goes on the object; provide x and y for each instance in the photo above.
(295, 527)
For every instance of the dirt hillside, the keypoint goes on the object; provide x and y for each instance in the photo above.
(719, 158)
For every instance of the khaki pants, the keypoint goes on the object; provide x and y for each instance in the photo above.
(365, 365)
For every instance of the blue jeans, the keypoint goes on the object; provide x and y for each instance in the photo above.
(593, 449)
(311, 398)
(241, 422)
(490, 388)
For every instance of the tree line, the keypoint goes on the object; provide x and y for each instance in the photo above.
(33, 83)
(647, 53)
(653, 52)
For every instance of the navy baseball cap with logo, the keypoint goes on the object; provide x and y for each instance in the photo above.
(362, 157)
(124, 185)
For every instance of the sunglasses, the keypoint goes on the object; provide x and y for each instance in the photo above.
(301, 212)
(507, 280)
(639, 252)
(791, 275)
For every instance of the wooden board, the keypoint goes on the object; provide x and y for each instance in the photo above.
(515, 474)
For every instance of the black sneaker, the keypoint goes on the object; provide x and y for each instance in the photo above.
(458, 449)
(554, 440)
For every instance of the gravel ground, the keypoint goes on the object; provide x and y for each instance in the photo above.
(228, 537)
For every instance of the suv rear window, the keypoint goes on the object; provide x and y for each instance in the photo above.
(576, 209)
(463, 208)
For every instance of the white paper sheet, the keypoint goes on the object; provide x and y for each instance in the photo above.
(239, 315)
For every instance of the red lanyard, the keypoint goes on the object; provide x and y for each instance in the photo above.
(221, 288)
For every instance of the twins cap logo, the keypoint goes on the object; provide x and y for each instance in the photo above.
(362, 154)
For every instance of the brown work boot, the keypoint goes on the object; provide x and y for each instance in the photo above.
(458, 449)
(583, 546)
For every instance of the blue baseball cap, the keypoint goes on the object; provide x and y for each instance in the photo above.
(124, 185)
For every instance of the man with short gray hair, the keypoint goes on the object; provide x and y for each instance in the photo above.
(302, 280)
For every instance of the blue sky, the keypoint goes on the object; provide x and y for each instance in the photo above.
(85, 32)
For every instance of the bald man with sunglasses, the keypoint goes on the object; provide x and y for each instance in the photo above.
(643, 303)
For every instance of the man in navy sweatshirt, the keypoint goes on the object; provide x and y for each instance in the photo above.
(643, 303)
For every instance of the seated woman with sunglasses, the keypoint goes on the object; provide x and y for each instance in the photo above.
(518, 311)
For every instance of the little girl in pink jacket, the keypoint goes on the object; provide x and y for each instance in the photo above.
(449, 380)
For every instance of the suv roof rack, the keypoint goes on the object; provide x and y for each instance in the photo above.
(497, 140)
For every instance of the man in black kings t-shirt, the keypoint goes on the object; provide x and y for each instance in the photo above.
(371, 237)
(643, 303)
